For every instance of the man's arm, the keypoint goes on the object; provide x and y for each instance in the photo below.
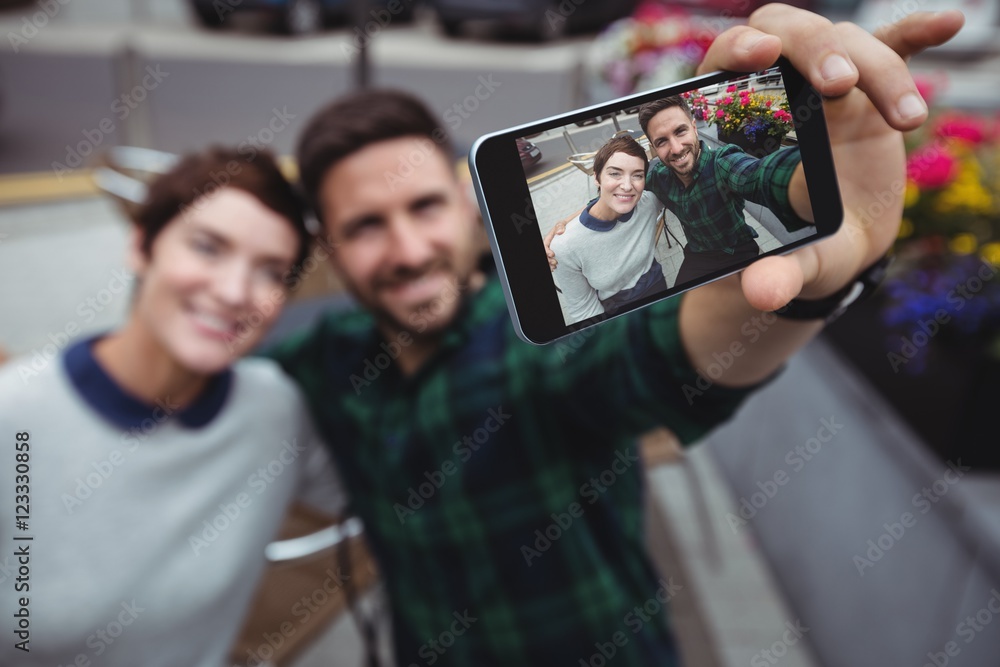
(767, 181)
(870, 98)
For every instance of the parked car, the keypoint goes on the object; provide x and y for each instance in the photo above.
(541, 19)
(300, 17)
(529, 152)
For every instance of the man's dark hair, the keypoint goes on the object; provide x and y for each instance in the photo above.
(621, 144)
(358, 120)
(199, 174)
(650, 109)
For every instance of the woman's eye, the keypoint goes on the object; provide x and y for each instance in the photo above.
(274, 275)
(205, 247)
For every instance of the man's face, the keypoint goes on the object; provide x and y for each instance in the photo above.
(403, 244)
(675, 140)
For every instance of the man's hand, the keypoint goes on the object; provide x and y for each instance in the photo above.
(558, 228)
(870, 99)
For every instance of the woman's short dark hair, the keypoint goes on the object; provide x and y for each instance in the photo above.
(199, 174)
(623, 144)
(356, 121)
(650, 109)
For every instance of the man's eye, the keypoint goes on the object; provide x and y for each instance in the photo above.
(428, 207)
(361, 227)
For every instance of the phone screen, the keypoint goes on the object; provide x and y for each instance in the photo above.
(653, 195)
(666, 193)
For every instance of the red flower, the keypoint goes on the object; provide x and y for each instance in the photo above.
(931, 167)
(731, 89)
(767, 103)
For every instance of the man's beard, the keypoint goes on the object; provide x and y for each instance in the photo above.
(424, 315)
(695, 153)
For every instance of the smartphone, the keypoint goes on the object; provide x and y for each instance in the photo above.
(659, 192)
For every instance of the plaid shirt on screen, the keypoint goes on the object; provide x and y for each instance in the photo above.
(711, 209)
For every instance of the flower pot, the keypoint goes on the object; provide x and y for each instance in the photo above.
(766, 145)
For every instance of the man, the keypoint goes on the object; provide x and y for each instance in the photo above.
(706, 188)
(499, 483)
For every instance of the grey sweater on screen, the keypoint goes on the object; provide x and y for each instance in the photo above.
(598, 259)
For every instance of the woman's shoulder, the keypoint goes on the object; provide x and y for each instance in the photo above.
(648, 199)
(25, 378)
(263, 374)
(261, 386)
(571, 238)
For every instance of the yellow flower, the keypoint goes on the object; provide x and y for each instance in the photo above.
(963, 244)
(966, 193)
(991, 253)
(905, 228)
(912, 194)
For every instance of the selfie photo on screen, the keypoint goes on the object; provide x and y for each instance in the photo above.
(672, 191)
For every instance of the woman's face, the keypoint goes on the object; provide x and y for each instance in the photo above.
(212, 283)
(621, 181)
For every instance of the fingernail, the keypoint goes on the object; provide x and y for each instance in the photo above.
(835, 67)
(910, 106)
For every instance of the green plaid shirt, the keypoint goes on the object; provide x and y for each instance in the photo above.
(711, 209)
(500, 486)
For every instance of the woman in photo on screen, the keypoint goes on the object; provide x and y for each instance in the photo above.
(161, 463)
(606, 255)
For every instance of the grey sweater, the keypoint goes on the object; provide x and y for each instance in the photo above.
(148, 540)
(597, 258)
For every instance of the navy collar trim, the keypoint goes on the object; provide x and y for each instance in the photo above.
(112, 402)
(598, 225)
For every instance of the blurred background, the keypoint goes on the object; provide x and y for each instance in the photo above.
(910, 378)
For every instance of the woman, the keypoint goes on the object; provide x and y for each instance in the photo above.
(159, 468)
(606, 254)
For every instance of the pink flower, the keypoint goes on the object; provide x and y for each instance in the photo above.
(731, 89)
(654, 12)
(931, 167)
(720, 114)
(728, 99)
(965, 128)
(768, 103)
(744, 101)
(926, 87)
